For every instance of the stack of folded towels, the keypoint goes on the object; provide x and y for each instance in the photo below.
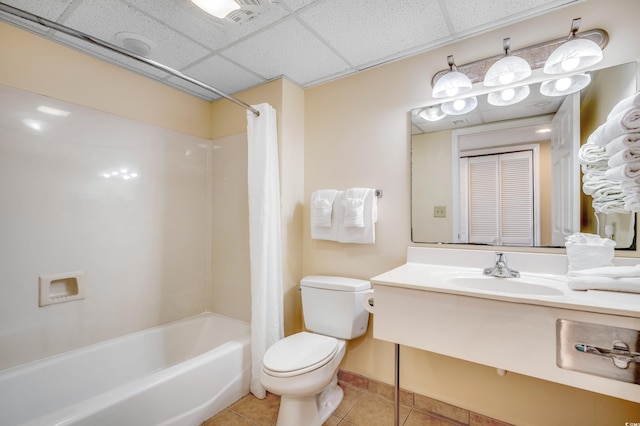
(619, 136)
(607, 194)
(591, 266)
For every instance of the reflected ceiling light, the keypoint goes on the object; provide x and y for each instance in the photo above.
(432, 113)
(574, 55)
(218, 8)
(452, 83)
(53, 111)
(508, 96)
(509, 69)
(459, 106)
(565, 85)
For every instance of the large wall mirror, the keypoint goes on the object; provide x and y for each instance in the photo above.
(465, 159)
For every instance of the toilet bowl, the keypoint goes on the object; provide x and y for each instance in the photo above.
(303, 368)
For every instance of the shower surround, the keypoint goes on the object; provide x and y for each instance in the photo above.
(125, 203)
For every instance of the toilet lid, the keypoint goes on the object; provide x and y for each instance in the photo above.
(299, 353)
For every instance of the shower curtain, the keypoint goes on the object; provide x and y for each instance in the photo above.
(264, 239)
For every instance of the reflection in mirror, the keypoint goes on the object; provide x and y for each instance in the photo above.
(499, 175)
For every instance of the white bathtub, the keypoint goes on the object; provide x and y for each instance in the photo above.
(179, 373)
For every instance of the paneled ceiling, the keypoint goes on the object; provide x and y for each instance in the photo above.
(307, 41)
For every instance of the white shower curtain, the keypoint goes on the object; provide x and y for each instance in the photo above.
(264, 239)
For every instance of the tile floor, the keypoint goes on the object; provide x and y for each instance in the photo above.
(360, 407)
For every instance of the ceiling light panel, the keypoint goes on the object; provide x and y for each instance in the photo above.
(392, 26)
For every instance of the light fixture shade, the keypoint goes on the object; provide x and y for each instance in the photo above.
(432, 113)
(508, 96)
(565, 85)
(574, 55)
(509, 69)
(218, 8)
(459, 106)
(453, 83)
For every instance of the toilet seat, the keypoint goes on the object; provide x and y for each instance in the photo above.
(299, 354)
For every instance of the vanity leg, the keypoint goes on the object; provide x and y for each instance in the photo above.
(396, 401)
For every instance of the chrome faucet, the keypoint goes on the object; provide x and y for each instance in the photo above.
(500, 269)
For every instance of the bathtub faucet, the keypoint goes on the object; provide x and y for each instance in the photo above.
(500, 269)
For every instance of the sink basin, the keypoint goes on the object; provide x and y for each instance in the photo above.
(525, 285)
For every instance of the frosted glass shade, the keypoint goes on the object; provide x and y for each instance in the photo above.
(451, 84)
(432, 113)
(218, 8)
(565, 85)
(460, 106)
(508, 96)
(574, 55)
(507, 70)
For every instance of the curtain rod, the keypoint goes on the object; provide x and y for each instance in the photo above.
(80, 35)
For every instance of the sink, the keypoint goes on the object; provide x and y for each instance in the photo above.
(524, 285)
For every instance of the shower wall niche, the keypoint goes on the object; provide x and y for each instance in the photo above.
(126, 203)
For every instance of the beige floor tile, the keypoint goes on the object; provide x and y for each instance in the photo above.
(418, 418)
(347, 423)
(373, 410)
(227, 418)
(263, 412)
(332, 421)
(351, 395)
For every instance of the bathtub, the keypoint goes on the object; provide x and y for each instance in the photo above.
(180, 373)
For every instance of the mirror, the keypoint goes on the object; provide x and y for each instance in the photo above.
(508, 149)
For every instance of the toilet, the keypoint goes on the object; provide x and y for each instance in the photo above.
(303, 368)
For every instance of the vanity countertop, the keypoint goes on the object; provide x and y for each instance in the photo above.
(429, 277)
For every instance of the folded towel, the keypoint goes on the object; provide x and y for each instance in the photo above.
(590, 153)
(632, 201)
(630, 185)
(627, 171)
(364, 234)
(609, 272)
(609, 206)
(319, 230)
(586, 251)
(353, 204)
(602, 165)
(632, 101)
(628, 155)
(628, 285)
(322, 207)
(627, 121)
(629, 140)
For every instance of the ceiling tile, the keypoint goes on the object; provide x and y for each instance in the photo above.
(486, 14)
(287, 49)
(51, 10)
(366, 30)
(220, 74)
(106, 18)
(297, 4)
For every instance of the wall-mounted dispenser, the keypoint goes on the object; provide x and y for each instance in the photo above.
(64, 287)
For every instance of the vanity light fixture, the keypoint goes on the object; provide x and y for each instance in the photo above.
(565, 85)
(574, 55)
(508, 96)
(507, 70)
(218, 8)
(459, 106)
(432, 113)
(453, 83)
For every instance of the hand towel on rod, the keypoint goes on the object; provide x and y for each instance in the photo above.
(322, 206)
(364, 234)
(319, 228)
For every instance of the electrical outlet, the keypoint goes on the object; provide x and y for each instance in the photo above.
(439, 211)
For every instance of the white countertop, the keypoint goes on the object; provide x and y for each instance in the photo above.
(427, 277)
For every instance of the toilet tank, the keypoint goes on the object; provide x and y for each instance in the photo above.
(334, 306)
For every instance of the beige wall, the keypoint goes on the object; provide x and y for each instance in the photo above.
(357, 133)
